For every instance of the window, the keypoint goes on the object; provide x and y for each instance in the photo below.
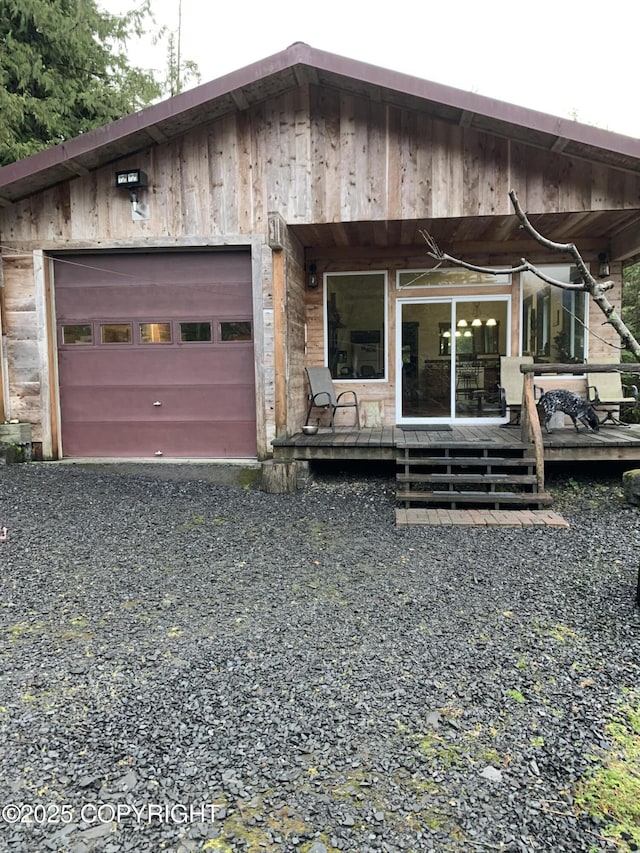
(356, 327)
(448, 277)
(115, 333)
(77, 334)
(155, 333)
(552, 318)
(194, 332)
(237, 331)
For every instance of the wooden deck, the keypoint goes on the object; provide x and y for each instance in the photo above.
(563, 445)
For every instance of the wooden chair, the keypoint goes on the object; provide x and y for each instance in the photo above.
(510, 386)
(322, 395)
(605, 392)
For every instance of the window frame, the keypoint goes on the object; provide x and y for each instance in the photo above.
(63, 343)
(503, 279)
(179, 340)
(587, 307)
(385, 319)
(141, 323)
(102, 343)
(243, 342)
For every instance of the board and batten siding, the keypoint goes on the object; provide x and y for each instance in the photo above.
(313, 155)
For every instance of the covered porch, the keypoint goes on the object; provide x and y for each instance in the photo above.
(614, 443)
(486, 475)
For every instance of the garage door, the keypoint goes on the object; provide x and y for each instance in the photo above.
(155, 355)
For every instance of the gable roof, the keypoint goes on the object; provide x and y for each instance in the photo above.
(288, 69)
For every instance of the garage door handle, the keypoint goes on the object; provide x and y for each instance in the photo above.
(157, 403)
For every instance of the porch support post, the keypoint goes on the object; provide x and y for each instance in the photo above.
(277, 236)
(46, 355)
(530, 431)
(3, 377)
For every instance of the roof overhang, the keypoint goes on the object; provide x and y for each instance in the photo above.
(276, 74)
(616, 232)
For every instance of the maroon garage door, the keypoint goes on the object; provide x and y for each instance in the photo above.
(156, 355)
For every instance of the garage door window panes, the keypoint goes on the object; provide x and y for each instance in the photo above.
(195, 332)
(115, 333)
(77, 334)
(236, 331)
(155, 333)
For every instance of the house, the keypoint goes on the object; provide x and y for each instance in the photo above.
(166, 278)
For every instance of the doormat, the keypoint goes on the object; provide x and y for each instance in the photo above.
(425, 427)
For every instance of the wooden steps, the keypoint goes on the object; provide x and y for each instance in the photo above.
(468, 475)
(456, 499)
(469, 479)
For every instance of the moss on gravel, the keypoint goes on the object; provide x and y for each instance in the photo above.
(611, 792)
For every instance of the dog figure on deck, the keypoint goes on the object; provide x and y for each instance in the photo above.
(571, 404)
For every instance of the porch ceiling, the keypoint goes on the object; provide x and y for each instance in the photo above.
(481, 235)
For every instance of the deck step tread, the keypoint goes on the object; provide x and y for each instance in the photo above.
(458, 497)
(515, 479)
(475, 461)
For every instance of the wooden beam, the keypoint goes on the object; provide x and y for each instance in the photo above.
(279, 342)
(466, 118)
(559, 145)
(577, 369)
(530, 430)
(156, 134)
(75, 168)
(46, 356)
(52, 358)
(3, 360)
(626, 243)
(262, 314)
(510, 251)
(239, 99)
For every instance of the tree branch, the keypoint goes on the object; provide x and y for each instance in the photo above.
(596, 289)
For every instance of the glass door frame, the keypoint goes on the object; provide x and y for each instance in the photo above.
(452, 301)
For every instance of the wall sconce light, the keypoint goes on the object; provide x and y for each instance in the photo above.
(133, 180)
(604, 271)
(312, 278)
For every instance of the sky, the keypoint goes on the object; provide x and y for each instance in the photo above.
(571, 58)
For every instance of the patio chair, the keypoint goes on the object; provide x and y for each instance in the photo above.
(605, 392)
(510, 386)
(322, 395)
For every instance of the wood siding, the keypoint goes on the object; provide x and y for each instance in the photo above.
(315, 155)
(20, 332)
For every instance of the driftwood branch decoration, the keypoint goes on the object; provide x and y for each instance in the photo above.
(596, 289)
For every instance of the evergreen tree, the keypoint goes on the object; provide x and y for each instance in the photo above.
(64, 71)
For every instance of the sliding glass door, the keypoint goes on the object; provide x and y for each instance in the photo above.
(448, 358)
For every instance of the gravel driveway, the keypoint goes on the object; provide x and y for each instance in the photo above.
(188, 666)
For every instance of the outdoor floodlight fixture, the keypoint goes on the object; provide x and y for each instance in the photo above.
(134, 180)
(131, 179)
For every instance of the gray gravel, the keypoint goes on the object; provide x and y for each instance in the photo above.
(327, 681)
